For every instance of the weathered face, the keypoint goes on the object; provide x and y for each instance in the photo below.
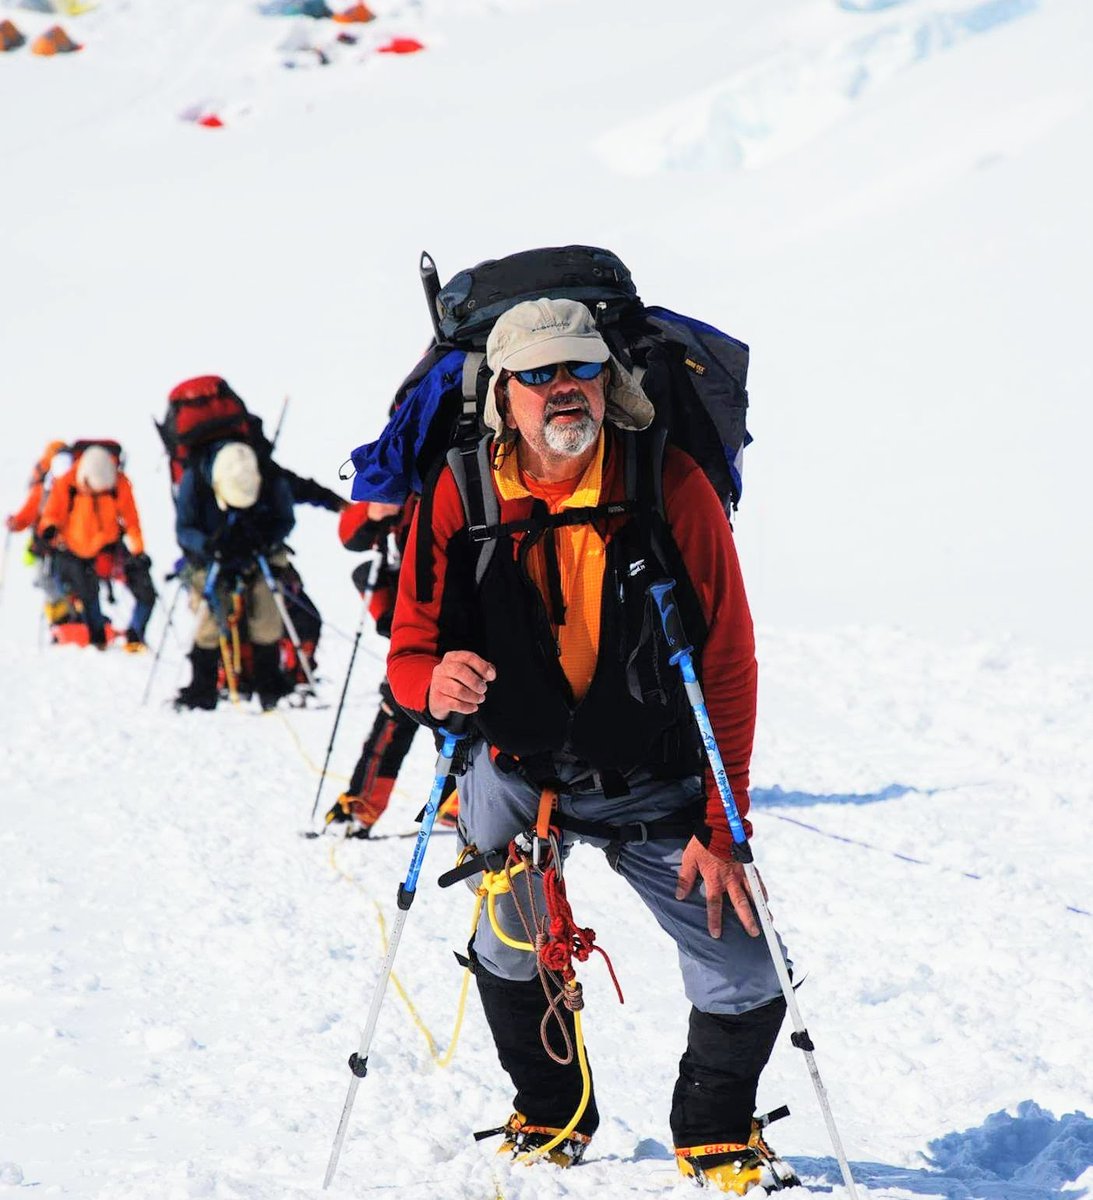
(561, 417)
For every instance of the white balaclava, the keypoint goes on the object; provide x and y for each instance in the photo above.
(97, 470)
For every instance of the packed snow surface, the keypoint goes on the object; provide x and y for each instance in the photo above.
(888, 199)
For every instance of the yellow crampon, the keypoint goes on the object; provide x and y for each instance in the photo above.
(737, 1168)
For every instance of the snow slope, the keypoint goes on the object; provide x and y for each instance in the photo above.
(890, 202)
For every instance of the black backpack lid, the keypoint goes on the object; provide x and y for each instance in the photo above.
(470, 303)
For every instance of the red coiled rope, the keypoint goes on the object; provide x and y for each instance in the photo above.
(565, 939)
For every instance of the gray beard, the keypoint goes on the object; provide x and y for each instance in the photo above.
(573, 438)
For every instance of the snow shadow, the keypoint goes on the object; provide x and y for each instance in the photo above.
(1030, 1156)
(779, 798)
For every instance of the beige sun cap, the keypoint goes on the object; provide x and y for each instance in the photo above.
(537, 333)
(97, 470)
(236, 479)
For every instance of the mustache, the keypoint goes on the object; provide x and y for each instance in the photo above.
(566, 403)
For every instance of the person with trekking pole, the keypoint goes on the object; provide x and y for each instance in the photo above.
(380, 530)
(92, 527)
(543, 543)
(228, 515)
(53, 463)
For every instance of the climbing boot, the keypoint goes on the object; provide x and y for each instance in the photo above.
(269, 680)
(348, 811)
(734, 1168)
(522, 1139)
(200, 692)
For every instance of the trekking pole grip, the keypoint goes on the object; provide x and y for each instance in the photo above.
(661, 595)
(682, 656)
(451, 733)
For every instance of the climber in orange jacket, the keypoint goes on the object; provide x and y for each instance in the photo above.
(55, 461)
(49, 464)
(91, 522)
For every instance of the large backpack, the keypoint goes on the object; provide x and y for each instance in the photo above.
(695, 375)
(200, 411)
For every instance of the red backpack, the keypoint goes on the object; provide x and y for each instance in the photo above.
(199, 411)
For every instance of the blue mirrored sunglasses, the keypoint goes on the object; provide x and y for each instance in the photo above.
(537, 376)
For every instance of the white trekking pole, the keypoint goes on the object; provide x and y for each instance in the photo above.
(681, 656)
(282, 608)
(452, 733)
(162, 641)
(4, 561)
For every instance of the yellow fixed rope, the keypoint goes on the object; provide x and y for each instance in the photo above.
(314, 767)
(494, 884)
(303, 750)
(586, 1092)
(444, 1060)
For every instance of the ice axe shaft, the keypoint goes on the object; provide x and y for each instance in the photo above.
(430, 281)
(280, 424)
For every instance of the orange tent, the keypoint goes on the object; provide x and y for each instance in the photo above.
(358, 13)
(54, 41)
(10, 37)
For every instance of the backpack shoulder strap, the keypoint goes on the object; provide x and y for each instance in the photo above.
(471, 469)
(644, 474)
(465, 459)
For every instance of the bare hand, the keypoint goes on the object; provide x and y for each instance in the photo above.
(721, 878)
(459, 684)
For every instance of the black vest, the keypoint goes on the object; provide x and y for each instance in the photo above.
(635, 712)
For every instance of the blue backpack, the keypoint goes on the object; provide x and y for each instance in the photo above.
(695, 375)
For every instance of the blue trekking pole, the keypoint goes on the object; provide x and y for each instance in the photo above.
(452, 734)
(681, 656)
(282, 608)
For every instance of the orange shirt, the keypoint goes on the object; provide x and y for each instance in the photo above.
(86, 521)
(581, 553)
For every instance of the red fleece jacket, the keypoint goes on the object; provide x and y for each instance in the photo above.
(702, 533)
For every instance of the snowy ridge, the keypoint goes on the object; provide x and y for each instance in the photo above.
(782, 102)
